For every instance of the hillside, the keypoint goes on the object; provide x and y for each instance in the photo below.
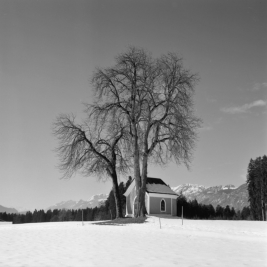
(216, 195)
(7, 210)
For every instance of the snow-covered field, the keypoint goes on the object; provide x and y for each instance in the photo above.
(196, 243)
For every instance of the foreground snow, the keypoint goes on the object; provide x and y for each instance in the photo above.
(196, 243)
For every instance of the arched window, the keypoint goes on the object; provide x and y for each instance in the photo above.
(162, 205)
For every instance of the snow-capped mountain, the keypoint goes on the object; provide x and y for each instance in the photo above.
(229, 186)
(94, 201)
(215, 195)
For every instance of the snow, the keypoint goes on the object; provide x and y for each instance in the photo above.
(3, 222)
(159, 188)
(229, 186)
(99, 197)
(189, 188)
(195, 243)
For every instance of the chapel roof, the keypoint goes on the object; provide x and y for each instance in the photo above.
(151, 180)
(154, 185)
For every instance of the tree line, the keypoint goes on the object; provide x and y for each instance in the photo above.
(191, 210)
(194, 210)
(57, 215)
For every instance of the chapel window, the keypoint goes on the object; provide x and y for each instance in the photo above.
(162, 205)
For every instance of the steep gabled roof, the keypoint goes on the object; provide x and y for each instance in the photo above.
(156, 185)
(151, 180)
(153, 185)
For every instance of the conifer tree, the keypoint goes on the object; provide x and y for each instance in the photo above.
(257, 187)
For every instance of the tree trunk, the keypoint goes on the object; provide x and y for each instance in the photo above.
(117, 196)
(142, 209)
(137, 172)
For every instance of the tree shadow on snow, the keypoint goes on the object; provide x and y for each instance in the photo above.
(165, 216)
(123, 221)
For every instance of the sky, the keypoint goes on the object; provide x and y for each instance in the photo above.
(50, 49)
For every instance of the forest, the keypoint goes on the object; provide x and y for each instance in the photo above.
(194, 210)
(257, 187)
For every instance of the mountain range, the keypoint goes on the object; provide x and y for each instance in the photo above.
(215, 195)
(94, 201)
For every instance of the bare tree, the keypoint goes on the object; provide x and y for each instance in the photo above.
(92, 150)
(119, 91)
(168, 124)
(153, 97)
